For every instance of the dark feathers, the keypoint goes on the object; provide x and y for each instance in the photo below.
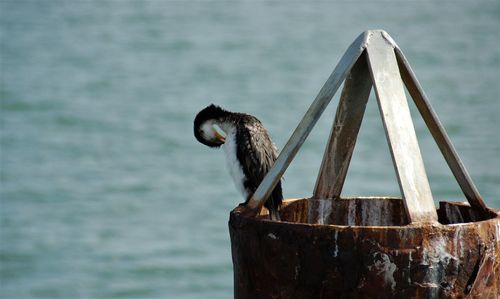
(255, 151)
(257, 154)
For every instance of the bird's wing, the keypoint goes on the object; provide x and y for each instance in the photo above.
(256, 151)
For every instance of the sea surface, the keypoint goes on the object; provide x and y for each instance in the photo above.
(104, 191)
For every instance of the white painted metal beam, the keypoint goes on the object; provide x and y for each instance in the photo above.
(399, 129)
(306, 124)
(439, 133)
(344, 132)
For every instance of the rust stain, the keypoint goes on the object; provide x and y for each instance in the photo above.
(339, 258)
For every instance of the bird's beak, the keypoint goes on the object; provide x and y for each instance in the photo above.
(220, 137)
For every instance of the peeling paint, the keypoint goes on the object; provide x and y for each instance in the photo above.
(272, 236)
(351, 215)
(458, 244)
(336, 240)
(437, 257)
(394, 261)
(324, 211)
(436, 252)
(409, 267)
(383, 265)
(497, 230)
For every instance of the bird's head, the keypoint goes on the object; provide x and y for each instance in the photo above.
(207, 128)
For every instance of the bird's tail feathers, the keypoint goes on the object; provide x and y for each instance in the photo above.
(274, 203)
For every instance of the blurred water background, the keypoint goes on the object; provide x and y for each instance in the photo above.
(104, 191)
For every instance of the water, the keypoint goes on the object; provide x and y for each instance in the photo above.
(104, 191)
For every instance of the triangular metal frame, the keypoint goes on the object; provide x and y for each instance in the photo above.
(373, 59)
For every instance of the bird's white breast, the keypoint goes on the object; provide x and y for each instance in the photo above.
(233, 165)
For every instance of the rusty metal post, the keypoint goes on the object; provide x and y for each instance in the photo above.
(368, 247)
(304, 261)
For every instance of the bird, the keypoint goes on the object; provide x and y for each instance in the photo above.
(249, 150)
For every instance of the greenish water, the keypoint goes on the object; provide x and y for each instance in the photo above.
(104, 191)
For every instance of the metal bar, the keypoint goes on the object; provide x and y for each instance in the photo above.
(399, 129)
(344, 132)
(439, 133)
(305, 126)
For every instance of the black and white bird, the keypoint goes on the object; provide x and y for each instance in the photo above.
(249, 151)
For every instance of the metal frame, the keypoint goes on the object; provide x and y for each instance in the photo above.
(373, 58)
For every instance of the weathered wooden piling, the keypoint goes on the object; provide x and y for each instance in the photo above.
(328, 246)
